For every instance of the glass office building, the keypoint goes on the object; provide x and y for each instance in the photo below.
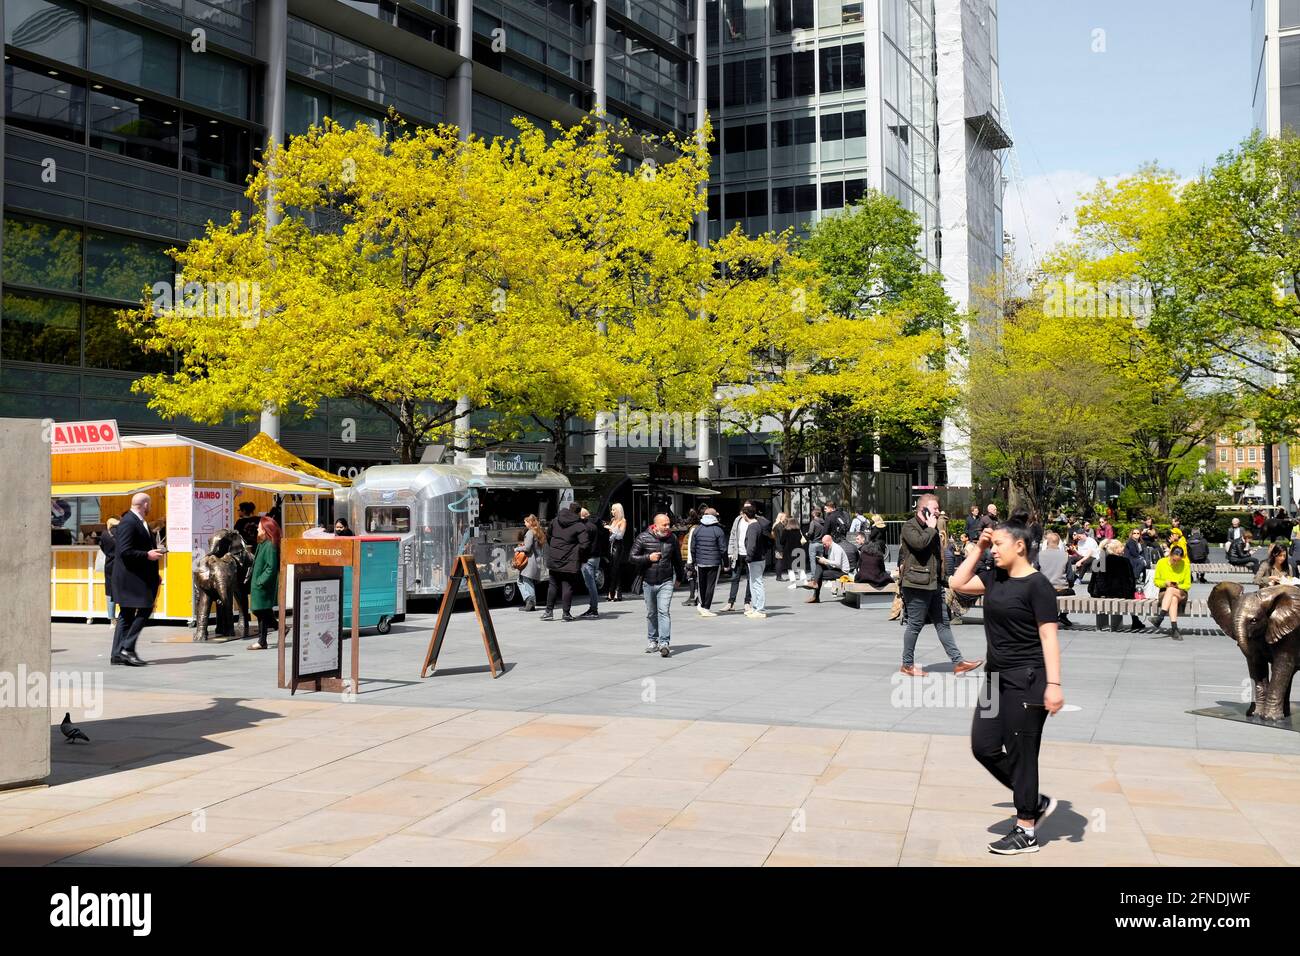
(1275, 65)
(130, 124)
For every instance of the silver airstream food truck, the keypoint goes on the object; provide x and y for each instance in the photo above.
(438, 510)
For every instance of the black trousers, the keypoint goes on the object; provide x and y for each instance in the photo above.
(825, 574)
(130, 622)
(740, 572)
(614, 579)
(267, 620)
(1252, 563)
(708, 581)
(562, 585)
(1005, 734)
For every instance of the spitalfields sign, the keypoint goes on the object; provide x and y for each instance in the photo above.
(514, 463)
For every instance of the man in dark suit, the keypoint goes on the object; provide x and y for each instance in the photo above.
(135, 579)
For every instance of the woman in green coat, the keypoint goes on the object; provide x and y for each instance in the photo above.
(264, 591)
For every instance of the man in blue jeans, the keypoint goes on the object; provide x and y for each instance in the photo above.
(597, 550)
(658, 557)
(920, 580)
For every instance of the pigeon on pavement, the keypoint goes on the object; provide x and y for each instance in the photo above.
(70, 732)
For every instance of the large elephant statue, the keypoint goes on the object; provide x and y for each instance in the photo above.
(222, 576)
(1266, 626)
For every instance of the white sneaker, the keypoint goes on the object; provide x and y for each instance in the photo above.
(705, 612)
(794, 584)
(748, 608)
(755, 615)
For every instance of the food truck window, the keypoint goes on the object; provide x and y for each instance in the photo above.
(388, 520)
(507, 507)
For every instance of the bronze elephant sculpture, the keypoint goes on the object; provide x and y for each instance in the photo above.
(1266, 626)
(222, 577)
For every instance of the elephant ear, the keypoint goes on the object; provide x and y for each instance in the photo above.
(1284, 616)
(1221, 601)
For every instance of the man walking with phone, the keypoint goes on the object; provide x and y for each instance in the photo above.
(920, 568)
(658, 557)
(135, 579)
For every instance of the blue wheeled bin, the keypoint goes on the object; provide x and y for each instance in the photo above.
(383, 592)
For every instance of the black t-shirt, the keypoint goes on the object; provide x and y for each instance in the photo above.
(1013, 609)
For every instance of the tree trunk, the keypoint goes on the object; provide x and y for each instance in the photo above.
(846, 472)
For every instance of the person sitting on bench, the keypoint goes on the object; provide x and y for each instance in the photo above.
(1241, 554)
(832, 564)
(871, 567)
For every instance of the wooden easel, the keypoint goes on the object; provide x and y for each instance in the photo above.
(464, 569)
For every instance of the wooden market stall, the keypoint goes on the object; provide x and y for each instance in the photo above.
(195, 490)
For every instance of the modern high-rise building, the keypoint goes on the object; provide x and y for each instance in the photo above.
(816, 101)
(129, 124)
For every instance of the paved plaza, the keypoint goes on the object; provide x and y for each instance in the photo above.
(783, 741)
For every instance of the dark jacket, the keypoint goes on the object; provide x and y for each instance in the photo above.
(837, 526)
(709, 544)
(789, 540)
(109, 547)
(1133, 549)
(669, 565)
(597, 539)
(919, 559)
(1198, 549)
(758, 539)
(566, 541)
(973, 527)
(1115, 580)
(1239, 552)
(871, 568)
(135, 577)
(263, 593)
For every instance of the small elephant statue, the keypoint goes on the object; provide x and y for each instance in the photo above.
(1266, 626)
(222, 577)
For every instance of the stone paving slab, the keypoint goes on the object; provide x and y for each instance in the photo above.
(823, 665)
(315, 782)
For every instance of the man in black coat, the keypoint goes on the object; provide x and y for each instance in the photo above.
(597, 550)
(657, 555)
(135, 579)
(567, 542)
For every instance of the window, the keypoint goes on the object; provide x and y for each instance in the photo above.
(51, 28)
(108, 346)
(789, 15)
(832, 195)
(42, 254)
(53, 105)
(855, 66)
(733, 206)
(854, 189)
(134, 55)
(1223, 454)
(1290, 16)
(832, 66)
(120, 267)
(793, 75)
(40, 329)
(851, 12)
(1250, 454)
(303, 108)
(832, 127)
(798, 131)
(134, 126)
(388, 520)
(855, 124)
(733, 139)
(756, 202)
(215, 149)
(217, 83)
(1241, 452)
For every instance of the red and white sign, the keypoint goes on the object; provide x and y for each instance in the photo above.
(78, 437)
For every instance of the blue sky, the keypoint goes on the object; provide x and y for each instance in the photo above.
(1170, 81)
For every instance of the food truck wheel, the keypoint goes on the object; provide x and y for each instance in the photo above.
(385, 624)
(509, 592)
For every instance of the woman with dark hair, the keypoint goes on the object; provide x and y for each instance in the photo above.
(264, 588)
(1024, 658)
(1275, 569)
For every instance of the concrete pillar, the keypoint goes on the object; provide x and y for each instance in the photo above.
(462, 101)
(25, 623)
(703, 441)
(273, 31)
(598, 53)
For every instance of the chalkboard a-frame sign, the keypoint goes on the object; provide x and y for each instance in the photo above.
(465, 569)
(317, 637)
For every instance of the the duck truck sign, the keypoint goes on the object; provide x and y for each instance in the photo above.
(68, 438)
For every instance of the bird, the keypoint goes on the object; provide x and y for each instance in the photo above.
(70, 732)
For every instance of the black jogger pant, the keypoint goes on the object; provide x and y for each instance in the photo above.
(708, 581)
(562, 584)
(739, 572)
(1005, 735)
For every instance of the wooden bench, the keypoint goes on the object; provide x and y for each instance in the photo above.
(867, 595)
(1127, 607)
(1221, 568)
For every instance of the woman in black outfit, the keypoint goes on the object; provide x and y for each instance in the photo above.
(1024, 659)
(1113, 578)
(789, 541)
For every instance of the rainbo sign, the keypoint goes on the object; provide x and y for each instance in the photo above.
(71, 438)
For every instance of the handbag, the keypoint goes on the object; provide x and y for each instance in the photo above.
(520, 560)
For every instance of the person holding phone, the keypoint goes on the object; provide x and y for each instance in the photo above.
(1023, 680)
(920, 572)
(136, 579)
